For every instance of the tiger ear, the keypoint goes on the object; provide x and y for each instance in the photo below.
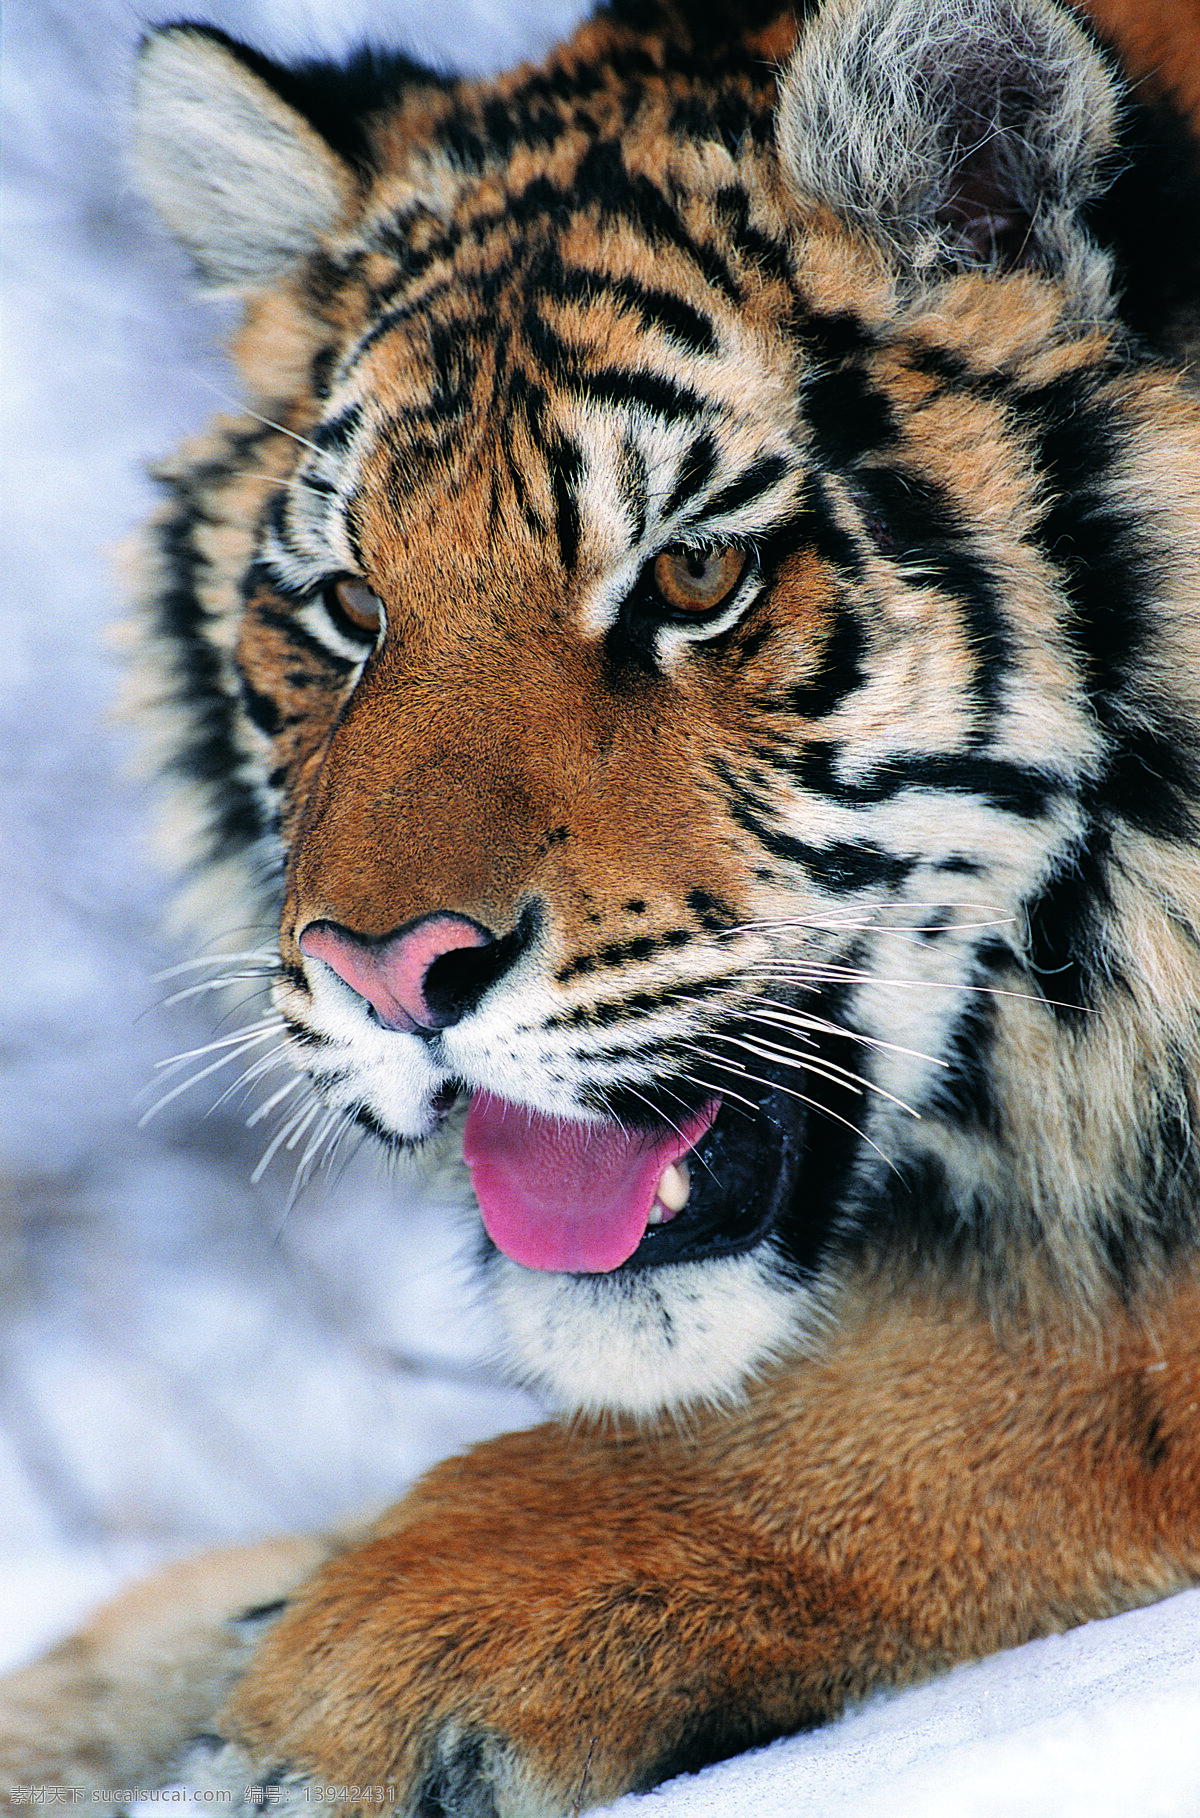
(959, 132)
(238, 175)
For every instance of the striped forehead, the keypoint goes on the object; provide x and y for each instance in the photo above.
(603, 416)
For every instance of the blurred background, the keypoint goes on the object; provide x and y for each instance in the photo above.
(184, 1357)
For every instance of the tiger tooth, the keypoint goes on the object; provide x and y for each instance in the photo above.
(674, 1187)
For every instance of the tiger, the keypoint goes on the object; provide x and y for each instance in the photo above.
(690, 658)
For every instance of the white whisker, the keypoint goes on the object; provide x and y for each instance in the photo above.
(784, 1016)
(303, 1115)
(657, 1114)
(224, 983)
(796, 971)
(251, 1031)
(252, 957)
(254, 473)
(303, 1121)
(722, 1092)
(811, 1104)
(334, 1119)
(250, 1075)
(866, 916)
(276, 1098)
(239, 404)
(838, 1076)
(223, 1060)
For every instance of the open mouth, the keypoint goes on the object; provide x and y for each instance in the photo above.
(580, 1198)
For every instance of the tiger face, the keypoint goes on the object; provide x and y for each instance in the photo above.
(692, 648)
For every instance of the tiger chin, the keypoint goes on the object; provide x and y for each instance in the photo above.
(690, 655)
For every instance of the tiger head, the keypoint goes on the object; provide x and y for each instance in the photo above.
(692, 647)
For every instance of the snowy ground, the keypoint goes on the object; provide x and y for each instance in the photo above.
(178, 1361)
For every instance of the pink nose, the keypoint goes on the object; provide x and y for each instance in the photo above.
(393, 974)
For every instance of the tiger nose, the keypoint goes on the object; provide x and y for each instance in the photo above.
(422, 978)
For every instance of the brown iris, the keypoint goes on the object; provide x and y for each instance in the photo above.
(697, 580)
(363, 608)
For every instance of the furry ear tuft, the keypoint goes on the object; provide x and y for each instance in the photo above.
(240, 177)
(957, 132)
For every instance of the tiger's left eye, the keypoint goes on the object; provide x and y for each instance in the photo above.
(697, 580)
(363, 608)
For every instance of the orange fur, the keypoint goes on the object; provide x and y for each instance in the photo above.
(1158, 40)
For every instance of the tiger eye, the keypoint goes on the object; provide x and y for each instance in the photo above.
(696, 580)
(363, 608)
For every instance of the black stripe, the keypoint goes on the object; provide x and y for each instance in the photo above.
(1067, 954)
(207, 751)
(338, 432)
(1107, 568)
(817, 528)
(962, 1089)
(453, 369)
(529, 401)
(849, 417)
(757, 479)
(1152, 779)
(957, 864)
(259, 708)
(301, 639)
(321, 369)
(767, 255)
(839, 865)
(1018, 789)
(566, 468)
(618, 954)
(610, 1013)
(660, 309)
(552, 356)
(1112, 575)
(528, 120)
(912, 518)
(404, 312)
(276, 520)
(840, 670)
(713, 913)
(695, 471)
(516, 472)
(933, 546)
(603, 181)
(322, 489)
(633, 477)
(652, 391)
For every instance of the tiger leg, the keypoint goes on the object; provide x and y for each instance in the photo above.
(563, 1615)
(112, 1706)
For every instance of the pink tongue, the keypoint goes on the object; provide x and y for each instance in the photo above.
(567, 1196)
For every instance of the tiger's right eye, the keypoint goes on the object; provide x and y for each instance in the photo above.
(695, 581)
(356, 602)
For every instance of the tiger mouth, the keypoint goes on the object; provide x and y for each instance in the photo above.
(743, 1177)
(595, 1199)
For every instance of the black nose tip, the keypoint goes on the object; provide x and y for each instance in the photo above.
(457, 981)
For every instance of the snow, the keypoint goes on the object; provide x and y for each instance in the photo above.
(179, 1361)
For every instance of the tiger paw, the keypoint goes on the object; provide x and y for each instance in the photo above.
(392, 1686)
(465, 1775)
(544, 1624)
